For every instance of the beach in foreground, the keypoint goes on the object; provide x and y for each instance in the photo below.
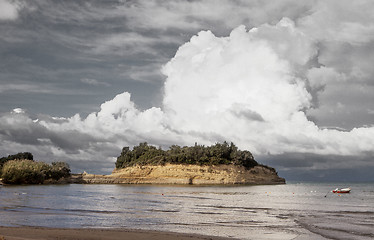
(23, 233)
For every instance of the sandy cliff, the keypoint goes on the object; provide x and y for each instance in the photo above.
(187, 174)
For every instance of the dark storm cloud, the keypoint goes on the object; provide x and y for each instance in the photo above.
(349, 175)
(314, 167)
(294, 160)
(55, 47)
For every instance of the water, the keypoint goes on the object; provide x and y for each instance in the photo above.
(291, 211)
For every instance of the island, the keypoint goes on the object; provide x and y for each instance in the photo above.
(222, 163)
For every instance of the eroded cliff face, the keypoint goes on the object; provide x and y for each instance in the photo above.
(188, 174)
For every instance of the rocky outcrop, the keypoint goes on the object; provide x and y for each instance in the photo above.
(186, 174)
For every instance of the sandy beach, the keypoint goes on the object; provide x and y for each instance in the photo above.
(23, 233)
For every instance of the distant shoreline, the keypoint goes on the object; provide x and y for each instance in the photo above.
(178, 174)
(24, 233)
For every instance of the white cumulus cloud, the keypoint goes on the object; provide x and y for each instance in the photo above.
(245, 88)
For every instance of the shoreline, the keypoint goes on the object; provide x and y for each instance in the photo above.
(28, 233)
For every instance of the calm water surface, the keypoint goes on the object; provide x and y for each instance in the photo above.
(291, 211)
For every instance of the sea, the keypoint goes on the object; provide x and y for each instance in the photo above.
(290, 211)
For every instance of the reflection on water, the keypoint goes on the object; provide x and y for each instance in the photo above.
(246, 212)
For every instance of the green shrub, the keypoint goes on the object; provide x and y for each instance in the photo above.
(24, 171)
(31, 172)
(20, 155)
(59, 170)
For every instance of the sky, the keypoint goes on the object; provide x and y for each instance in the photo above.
(289, 80)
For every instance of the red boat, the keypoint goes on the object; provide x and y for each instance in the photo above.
(342, 190)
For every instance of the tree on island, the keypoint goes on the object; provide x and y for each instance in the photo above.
(218, 154)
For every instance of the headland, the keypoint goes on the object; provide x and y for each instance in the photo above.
(184, 174)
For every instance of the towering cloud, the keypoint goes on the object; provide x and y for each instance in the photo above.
(249, 74)
(252, 88)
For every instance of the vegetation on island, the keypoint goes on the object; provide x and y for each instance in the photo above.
(218, 154)
(22, 169)
(21, 155)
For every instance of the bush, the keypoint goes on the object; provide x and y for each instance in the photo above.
(220, 153)
(24, 171)
(59, 170)
(20, 155)
(31, 172)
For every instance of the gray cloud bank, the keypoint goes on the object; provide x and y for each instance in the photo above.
(290, 81)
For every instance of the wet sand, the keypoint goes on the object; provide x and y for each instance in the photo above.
(23, 233)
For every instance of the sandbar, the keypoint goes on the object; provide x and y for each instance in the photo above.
(25, 233)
